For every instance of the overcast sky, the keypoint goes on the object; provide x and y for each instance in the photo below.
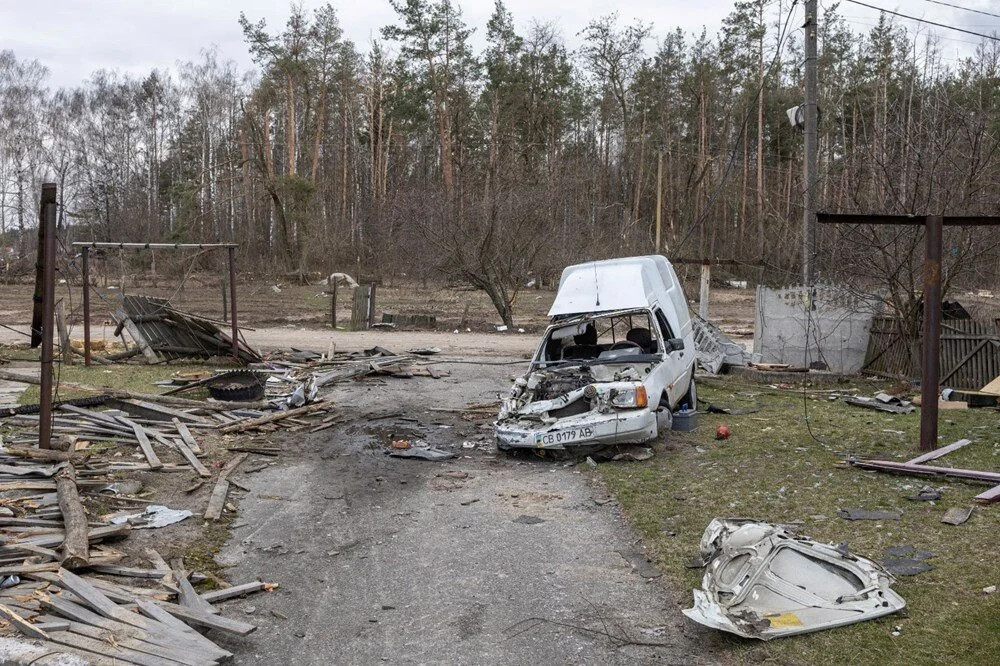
(76, 37)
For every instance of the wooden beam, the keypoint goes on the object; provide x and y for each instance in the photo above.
(76, 545)
(937, 453)
(218, 499)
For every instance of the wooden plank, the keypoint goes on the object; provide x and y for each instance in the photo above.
(137, 336)
(988, 496)
(179, 654)
(160, 565)
(207, 620)
(173, 414)
(147, 448)
(186, 595)
(993, 387)
(247, 424)
(22, 625)
(91, 658)
(160, 628)
(117, 652)
(39, 484)
(192, 460)
(234, 591)
(927, 470)
(185, 434)
(218, 499)
(131, 572)
(167, 620)
(47, 541)
(19, 569)
(937, 453)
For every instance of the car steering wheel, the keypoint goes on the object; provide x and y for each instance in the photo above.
(625, 344)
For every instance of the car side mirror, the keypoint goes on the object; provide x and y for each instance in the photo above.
(675, 344)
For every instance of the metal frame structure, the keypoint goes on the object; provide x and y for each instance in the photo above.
(86, 246)
(931, 361)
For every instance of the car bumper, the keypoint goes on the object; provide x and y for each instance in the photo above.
(620, 427)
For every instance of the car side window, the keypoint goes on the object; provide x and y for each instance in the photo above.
(664, 326)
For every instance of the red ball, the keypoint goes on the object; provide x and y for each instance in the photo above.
(722, 432)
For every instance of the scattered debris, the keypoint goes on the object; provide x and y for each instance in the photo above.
(956, 515)
(917, 466)
(990, 589)
(641, 564)
(925, 494)
(155, 515)
(762, 581)
(722, 432)
(715, 409)
(714, 349)
(906, 561)
(524, 519)
(866, 514)
(633, 453)
(883, 402)
(424, 452)
(425, 351)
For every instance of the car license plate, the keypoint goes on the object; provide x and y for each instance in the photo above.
(564, 436)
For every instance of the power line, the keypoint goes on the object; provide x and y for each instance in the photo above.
(920, 20)
(967, 9)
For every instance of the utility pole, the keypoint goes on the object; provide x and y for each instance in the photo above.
(659, 198)
(811, 27)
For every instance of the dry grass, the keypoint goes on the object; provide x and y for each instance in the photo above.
(774, 470)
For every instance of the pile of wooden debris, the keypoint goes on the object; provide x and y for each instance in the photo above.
(46, 532)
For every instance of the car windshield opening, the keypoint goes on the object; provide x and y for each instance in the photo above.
(619, 337)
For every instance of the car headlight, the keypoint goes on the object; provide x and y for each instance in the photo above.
(630, 398)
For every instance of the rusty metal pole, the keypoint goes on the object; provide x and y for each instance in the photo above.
(86, 306)
(47, 220)
(232, 302)
(931, 370)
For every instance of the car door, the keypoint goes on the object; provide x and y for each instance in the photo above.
(675, 362)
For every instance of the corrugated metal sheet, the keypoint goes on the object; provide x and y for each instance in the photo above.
(172, 334)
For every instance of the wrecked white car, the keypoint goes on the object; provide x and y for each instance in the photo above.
(762, 581)
(616, 361)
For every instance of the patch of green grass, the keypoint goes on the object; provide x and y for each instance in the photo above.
(19, 352)
(199, 555)
(773, 469)
(127, 377)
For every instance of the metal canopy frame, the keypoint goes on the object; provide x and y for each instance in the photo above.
(931, 361)
(86, 246)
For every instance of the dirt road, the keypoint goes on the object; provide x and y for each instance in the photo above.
(517, 345)
(481, 559)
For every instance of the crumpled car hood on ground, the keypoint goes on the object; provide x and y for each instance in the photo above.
(762, 581)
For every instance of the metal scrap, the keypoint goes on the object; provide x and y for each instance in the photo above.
(883, 402)
(763, 581)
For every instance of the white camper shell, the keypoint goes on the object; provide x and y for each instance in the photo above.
(617, 359)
